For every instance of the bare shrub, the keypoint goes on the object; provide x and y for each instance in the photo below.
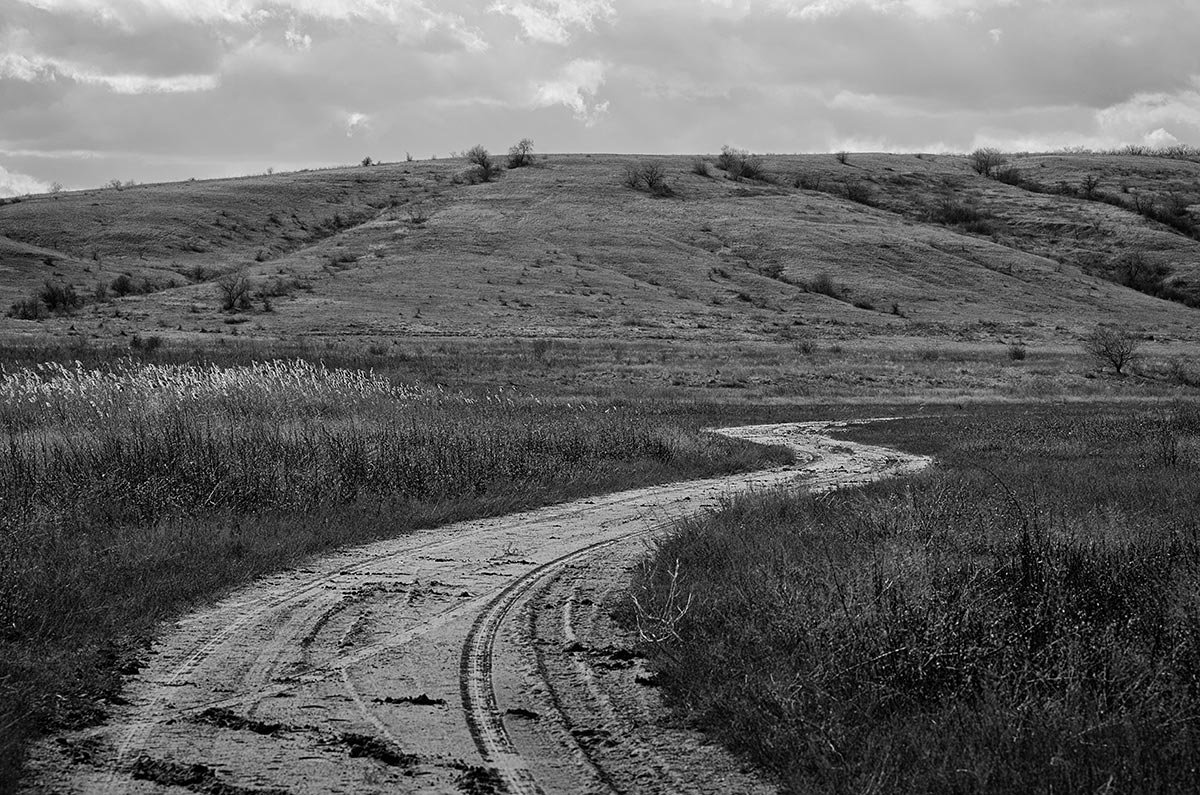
(1114, 346)
(649, 176)
(807, 181)
(60, 298)
(843, 157)
(520, 154)
(823, 283)
(482, 159)
(1016, 352)
(30, 308)
(367, 161)
(857, 191)
(1088, 186)
(740, 164)
(700, 167)
(985, 161)
(233, 291)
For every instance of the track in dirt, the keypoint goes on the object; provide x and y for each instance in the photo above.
(479, 658)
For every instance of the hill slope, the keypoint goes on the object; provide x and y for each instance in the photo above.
(565, 250)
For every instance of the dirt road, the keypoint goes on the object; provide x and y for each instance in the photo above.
(475, 658)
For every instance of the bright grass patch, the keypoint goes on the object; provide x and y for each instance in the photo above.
(130, 491)
(1022, 618)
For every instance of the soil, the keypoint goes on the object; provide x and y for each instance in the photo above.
(480, 657)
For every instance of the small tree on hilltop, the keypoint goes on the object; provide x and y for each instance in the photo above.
(480, 157)
(986, 161)
(1112, 345)
(520, 154)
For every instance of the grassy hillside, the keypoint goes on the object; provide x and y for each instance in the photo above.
(930, 256)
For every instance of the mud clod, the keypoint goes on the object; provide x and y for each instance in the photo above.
(476, 780)
(228, 719)
(195, 777)
(422, 700)
(377, 749)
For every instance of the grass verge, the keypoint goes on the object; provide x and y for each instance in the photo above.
(130, 491)
(1022, 618)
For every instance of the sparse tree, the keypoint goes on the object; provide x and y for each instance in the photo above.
(480, 157)
(367, 161)
(520, 154)
(985, 161)
(1115, 346)
(233, 290)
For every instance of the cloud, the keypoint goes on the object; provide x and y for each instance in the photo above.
(578, 80)
(552, 21)
(926, 9)
(12, 184)
(996, 34)
(40, 68)
(356, 123)
(297, 40)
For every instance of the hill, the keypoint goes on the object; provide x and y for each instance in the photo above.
(884, 265)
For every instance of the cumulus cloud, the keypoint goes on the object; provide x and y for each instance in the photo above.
(297, 40)
(928, 9)
(553, 21)
(356, 123)
(575, 87)
(12, 184)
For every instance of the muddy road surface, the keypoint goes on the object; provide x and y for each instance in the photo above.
(474, 658)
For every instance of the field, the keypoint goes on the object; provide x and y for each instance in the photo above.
(116, 480)
(1021, 618)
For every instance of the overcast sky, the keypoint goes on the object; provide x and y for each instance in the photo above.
(149, 90)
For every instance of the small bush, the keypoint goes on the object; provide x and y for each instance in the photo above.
(1016, 352)
(123, 285)
(700, 167)
(807, 181)
(740, 164)
(952, 213)
(857, 191)
(1009, 175)
(823, 283)
(520, 154)
(843, 157)
(60, 298)
(649, 176)
(147, 344)
(367, 161)
(862, 303)
(482, 160)
(28, 309)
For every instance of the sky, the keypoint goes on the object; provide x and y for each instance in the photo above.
(158, 90)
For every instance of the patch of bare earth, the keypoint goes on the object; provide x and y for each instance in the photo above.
(479, 657)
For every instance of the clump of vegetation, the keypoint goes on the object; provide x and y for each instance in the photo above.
(1112, 346)
(520, 154)
(485, 167)
(857, 191)
(824, 284)
(649, 176)
(131, 490)
(700, 167)
(740, 164)
(986, 161)
(52, 298)
(233, 291)
(1020, 619)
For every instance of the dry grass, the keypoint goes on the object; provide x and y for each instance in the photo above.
(1022, 619)
(131, 491)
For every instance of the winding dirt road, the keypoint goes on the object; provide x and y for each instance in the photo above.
(476, 658)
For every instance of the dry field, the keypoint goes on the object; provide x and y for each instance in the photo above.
(733, 289)
(228, 377)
